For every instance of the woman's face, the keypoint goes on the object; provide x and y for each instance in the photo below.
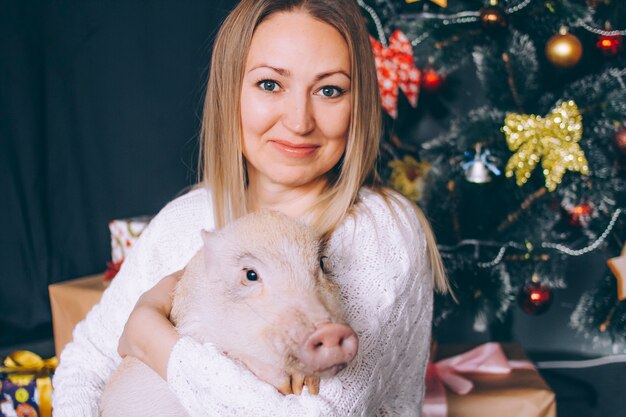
(295, 101)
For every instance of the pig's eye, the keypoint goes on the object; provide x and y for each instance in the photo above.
(251, 275)
(322, 259)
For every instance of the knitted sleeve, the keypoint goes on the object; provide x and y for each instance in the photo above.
(378, 258)
(87, 362)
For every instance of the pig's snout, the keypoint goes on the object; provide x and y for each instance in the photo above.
(329, 349)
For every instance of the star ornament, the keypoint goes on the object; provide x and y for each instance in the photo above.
(552, 140)
(440, 3)
(618, 267)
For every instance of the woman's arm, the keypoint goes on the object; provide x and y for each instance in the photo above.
(148, 334)
(86, 363)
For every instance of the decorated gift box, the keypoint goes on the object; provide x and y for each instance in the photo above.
(124, 234)
(25, 385)
(491, 380)
(70, 301)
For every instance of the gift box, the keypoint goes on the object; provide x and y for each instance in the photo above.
(124, 234)
(25, 385)
(484, 389)
(70, 302)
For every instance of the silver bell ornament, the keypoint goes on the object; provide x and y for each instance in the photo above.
(480, 168)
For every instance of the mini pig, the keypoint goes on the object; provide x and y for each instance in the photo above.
(256, 290)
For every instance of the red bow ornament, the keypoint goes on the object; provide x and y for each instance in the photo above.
(395, 68)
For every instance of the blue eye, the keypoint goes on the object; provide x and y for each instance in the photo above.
(331, 91)
(251, 275)
(268, 85)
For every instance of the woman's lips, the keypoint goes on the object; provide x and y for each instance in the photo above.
(294, 150)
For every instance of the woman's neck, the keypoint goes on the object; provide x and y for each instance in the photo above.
(293, 201)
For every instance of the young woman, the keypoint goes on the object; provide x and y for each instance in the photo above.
(291, 123)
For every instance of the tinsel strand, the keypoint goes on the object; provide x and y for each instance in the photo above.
(597, 31)
(496, 260)
(453, 19)
(377, 22)
(461, 17)
(476, 242)
(588, 27)
(547, 245)
(518, 7)
(420, 39)
(564, 249)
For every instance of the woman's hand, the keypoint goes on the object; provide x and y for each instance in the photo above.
(148, 334)
(284, 383)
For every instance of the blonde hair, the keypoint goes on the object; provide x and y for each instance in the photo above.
(222, 165)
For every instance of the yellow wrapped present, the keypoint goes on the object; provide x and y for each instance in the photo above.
(25, 385)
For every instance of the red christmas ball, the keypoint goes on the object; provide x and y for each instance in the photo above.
(431, 80)
(620, 140)
(609, 45)
(534, 298)
(580, 214)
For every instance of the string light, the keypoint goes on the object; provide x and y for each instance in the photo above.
(473, 16)
(450, 19)
(377, 22)
(589, 248)
(546, 245)
(606, 32)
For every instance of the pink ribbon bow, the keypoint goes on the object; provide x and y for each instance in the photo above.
(488, 358)
(395, 69)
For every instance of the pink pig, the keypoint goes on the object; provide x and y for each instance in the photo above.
(257, 291)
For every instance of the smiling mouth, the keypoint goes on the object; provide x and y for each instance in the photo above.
(294, 150)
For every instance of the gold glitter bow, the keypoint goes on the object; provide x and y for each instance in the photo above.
(553, 140)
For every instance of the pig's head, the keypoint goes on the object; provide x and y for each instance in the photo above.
(263, 298)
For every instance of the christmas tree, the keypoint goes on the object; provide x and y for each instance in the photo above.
(534, 172)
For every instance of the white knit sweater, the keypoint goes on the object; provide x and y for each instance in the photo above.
(386, 286)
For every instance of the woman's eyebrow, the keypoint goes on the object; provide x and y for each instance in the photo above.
(329, 73)
(286, 73)
(281, 71)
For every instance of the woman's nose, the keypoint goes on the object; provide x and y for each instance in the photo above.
(298, 114)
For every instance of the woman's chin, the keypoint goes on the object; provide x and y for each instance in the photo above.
(296, 180)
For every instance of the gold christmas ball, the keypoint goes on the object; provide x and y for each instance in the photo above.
(564, 50)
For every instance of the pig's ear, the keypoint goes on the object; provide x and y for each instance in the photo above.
(207, 238)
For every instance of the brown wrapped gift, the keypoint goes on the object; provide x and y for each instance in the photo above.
(523, 393)
(70, 302)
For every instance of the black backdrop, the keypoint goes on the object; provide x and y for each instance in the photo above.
(99, 113)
